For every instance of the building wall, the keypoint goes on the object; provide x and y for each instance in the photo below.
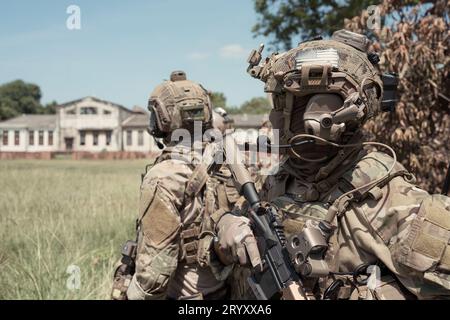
(37, 147)
(11, 145)
(147, 145)
(101, 145)
(72, 121)
(24, 140)
(76, 119)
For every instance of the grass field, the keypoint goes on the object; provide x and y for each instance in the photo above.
(54, 214)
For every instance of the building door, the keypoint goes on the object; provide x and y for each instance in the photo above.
(69, 144)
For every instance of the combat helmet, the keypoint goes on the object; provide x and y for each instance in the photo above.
(178, 103)
(327, 88)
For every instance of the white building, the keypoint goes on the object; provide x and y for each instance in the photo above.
(29, 133)
(247, 126)
(93, 126)
(85, 125)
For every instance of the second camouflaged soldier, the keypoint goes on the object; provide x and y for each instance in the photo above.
(350, 212)
(179, 202)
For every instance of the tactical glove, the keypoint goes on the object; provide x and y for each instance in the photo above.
(236, 242)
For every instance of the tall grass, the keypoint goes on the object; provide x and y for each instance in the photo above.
(54, 214)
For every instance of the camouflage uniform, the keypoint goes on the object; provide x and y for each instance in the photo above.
(179, 204)
(391, 224)
(396, 225)
(178, 208)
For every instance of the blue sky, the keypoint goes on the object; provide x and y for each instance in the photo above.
(125, 48)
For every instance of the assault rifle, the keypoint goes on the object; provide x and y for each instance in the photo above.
(278, 277)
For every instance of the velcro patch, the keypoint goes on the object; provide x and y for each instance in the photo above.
(437, 215)
(429, 246)
(161, 221)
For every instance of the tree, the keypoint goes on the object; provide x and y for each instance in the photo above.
(49, 108)
(415, 46)
(286, 21)
(258, 105)
(18, 97)
(218, 100)
(413, 42)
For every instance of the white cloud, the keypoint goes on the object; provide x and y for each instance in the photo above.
(198, 55)
(232, 51)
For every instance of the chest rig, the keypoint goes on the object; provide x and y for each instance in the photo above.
(212, 194)
(303, 207)
(196, 236)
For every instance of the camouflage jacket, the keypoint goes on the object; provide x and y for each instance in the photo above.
(396, 226)
(179, 203)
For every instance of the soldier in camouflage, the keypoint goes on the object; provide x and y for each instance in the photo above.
(323, 91)
(179, 203)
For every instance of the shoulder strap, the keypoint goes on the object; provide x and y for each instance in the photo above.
(200, 173)
(197, 180)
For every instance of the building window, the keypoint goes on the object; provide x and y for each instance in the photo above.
(108, 138)
(5, 137)
(141, 137)
(88, 110)
(106, 112)
(41, 137)
(129, 138)
(31, 138)
(50, 138)
(16, 137)
(95, 141)
(82, 138)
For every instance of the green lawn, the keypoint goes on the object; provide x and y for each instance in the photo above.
(54, 214)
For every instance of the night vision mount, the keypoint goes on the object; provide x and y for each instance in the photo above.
(254, 69)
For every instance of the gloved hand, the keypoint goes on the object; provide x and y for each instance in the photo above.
(236, 242)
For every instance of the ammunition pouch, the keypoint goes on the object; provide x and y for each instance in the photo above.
(189, 244)
(196, 239)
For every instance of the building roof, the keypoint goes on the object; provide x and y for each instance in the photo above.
(136, 120)
(249, 120)
(63, 105)
(30, 121)
(138, 109)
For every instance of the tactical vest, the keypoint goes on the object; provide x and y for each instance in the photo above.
(298, 203)
(217, 194)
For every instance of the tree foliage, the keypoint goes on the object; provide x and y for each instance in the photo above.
(258, 105)
(218, 100)
(286, 21)
(413, 42)
(415, 46)
(18, 97)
